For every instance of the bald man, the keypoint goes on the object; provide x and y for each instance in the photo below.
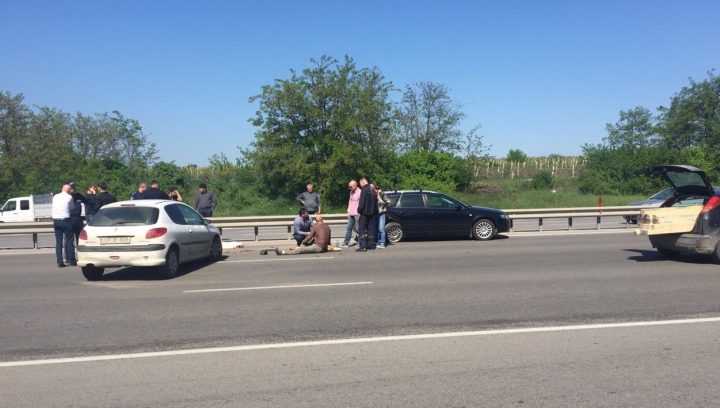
(62, 204)
(320, 231)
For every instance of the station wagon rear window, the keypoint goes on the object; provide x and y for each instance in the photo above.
(119, 216)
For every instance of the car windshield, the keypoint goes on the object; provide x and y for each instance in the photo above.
(663, 195)
(125, 216)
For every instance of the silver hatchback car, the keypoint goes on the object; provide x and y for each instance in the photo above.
(153, 233)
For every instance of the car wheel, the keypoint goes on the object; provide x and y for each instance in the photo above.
(484, 230)
(172, 263)
(669, 253)
(394, 232)
(715, 255)
(215, 250)
(92, 273)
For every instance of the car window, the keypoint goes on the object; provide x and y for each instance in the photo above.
(24, 204)
(173, 211)
(10, 206)
(663, 195)
(393, 200)
(440, 202)
(119, 216)
(411, 201)
(191, 217)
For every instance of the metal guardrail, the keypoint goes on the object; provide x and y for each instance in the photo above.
(257, 222)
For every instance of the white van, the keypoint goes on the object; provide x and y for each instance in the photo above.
(27, 209)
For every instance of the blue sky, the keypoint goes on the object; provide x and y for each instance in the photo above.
(541, 76)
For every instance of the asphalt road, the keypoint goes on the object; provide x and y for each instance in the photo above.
(547, 320)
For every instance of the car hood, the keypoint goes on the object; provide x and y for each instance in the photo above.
(686, 180)
(486, 209)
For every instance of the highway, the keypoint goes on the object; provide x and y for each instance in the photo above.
(529, 320)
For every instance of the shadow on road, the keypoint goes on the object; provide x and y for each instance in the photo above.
(149, 274)
(651, 255)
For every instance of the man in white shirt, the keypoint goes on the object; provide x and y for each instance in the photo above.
(62, 224)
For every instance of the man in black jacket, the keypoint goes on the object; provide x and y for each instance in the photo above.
(367, 211)
(76, 213)
(104, 197)
(154, 192)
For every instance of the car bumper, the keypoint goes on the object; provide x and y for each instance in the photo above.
(701, 244)
(118, 256)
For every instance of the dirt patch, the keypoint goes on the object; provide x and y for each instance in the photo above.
(488, 190)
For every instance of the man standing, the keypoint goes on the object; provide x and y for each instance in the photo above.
(311, 200)
(205, 201)
(76, 213)
(90, 205)
(104, 197)
(154, 192)
(383, 203)
(138, 194)
(62, 204)
(320, 232)
(352, 211)
(301, 226)
(367, 212)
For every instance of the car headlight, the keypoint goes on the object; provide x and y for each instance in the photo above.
(503, 215)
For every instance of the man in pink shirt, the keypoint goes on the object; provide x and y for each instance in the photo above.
(352, 211)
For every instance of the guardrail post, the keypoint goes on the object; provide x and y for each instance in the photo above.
(220, 229)
(598, 222)
(35, 241)
(569, 223)
(511, 225)
(289, 232)
(257, 233)
(540, 224)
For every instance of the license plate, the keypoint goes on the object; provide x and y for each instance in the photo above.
(115, 240)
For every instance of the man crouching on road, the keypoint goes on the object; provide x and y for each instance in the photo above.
(320, 231)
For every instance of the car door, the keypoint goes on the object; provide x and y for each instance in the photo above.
(413, 214)
(450, 218)
(181, 230)
(201, 238)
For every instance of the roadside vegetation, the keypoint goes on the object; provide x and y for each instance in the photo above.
(334, 121)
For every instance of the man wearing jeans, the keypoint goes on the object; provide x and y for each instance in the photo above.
(62, 224)
(352, 211)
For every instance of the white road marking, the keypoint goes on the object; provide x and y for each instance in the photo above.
(279, 287)
(315, 258)
(352, 341)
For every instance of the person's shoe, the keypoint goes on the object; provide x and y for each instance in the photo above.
(356, 246)
(72, 264)
(61, 265)
(361, 250)
(279, 251)
(372, 247)
(343, 245)
(381, 246)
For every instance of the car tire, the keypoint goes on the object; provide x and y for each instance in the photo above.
(215, 250)
(92, 273)
(172, 263)
(715, 255)
(394, 232)
(670, 253)
(484, 230)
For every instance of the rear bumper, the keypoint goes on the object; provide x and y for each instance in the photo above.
(701, 244)
(118, 256)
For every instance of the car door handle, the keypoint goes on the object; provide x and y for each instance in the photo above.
(401, 212)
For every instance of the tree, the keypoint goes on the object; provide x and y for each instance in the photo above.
(636, 127)
(516, 156)
(428, 119)
(326, 125)
(693, 117)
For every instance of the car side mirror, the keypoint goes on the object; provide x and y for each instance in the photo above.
(458, 207)
(206, 221)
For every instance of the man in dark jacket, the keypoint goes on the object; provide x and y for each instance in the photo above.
(76, 213)
(367, 211)
(90, 206)
(104, 197)
(154, 192)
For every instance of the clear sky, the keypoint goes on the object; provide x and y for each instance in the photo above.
(541, 76)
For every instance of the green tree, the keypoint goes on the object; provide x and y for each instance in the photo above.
(427, 170)
(428, 119)
(635, 127)
(516, 156)
(326, 125)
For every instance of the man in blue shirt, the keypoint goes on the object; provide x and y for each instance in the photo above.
(301, 226)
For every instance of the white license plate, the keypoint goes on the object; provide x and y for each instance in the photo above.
(115, 240)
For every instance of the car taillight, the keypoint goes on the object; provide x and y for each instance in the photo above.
(83, 235)
(155, 233)
(712, 203)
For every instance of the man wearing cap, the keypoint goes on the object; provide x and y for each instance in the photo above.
(205, 201)
(62, 204)
(311, 200)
